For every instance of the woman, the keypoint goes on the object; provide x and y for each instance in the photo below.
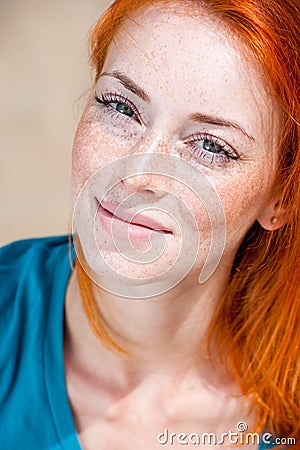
(191, 134)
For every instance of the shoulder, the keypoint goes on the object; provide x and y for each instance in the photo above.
(27, 269)
(15, 254)
(28, 256)
(33, 277)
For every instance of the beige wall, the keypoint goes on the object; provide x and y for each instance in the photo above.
(44, 70)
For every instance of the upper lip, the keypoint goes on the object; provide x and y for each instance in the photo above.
(136, 219)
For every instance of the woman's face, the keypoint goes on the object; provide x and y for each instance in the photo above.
(182, 97)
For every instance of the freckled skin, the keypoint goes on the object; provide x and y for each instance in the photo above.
(219, 82)
(186, 65)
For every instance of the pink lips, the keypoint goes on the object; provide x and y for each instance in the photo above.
(120, 222)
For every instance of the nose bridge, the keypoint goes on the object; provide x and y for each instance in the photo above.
(150, 144)
(153, 141)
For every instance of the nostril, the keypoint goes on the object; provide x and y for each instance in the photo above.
(135, 182)
(141, 183)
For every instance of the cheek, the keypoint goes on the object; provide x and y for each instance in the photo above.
(243, 199)
(234, 202)
(96, 146)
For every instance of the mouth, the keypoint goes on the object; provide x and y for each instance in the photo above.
(134, 222)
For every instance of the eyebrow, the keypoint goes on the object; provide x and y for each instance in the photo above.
(129, 84)
(213, 120)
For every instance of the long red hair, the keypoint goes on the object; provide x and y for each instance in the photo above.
(257, 324)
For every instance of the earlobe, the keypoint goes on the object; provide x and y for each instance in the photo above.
(273, 217)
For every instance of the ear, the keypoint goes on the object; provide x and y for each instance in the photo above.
(273, 216)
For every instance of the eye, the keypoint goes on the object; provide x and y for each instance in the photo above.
(123, 108)
(211, 146)
(118, 105)
(211, 149)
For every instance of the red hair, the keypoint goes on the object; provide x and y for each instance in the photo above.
(257, 323)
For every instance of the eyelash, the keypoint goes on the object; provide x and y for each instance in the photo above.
(106, 100)
(228, 153)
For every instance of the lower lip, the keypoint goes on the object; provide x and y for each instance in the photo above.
(124, 230)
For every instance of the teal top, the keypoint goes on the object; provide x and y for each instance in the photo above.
(35, 413)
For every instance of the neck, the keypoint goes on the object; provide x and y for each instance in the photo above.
(165, 335)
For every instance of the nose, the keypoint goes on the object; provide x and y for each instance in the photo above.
(144, 183)
(146, 174)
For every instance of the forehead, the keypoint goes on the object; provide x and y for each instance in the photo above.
(189, 45)
(191, 57)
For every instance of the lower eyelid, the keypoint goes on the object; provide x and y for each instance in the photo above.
(110, 111)
(226, 148)
(210, 158)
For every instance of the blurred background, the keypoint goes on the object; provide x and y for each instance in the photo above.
(44, 82)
